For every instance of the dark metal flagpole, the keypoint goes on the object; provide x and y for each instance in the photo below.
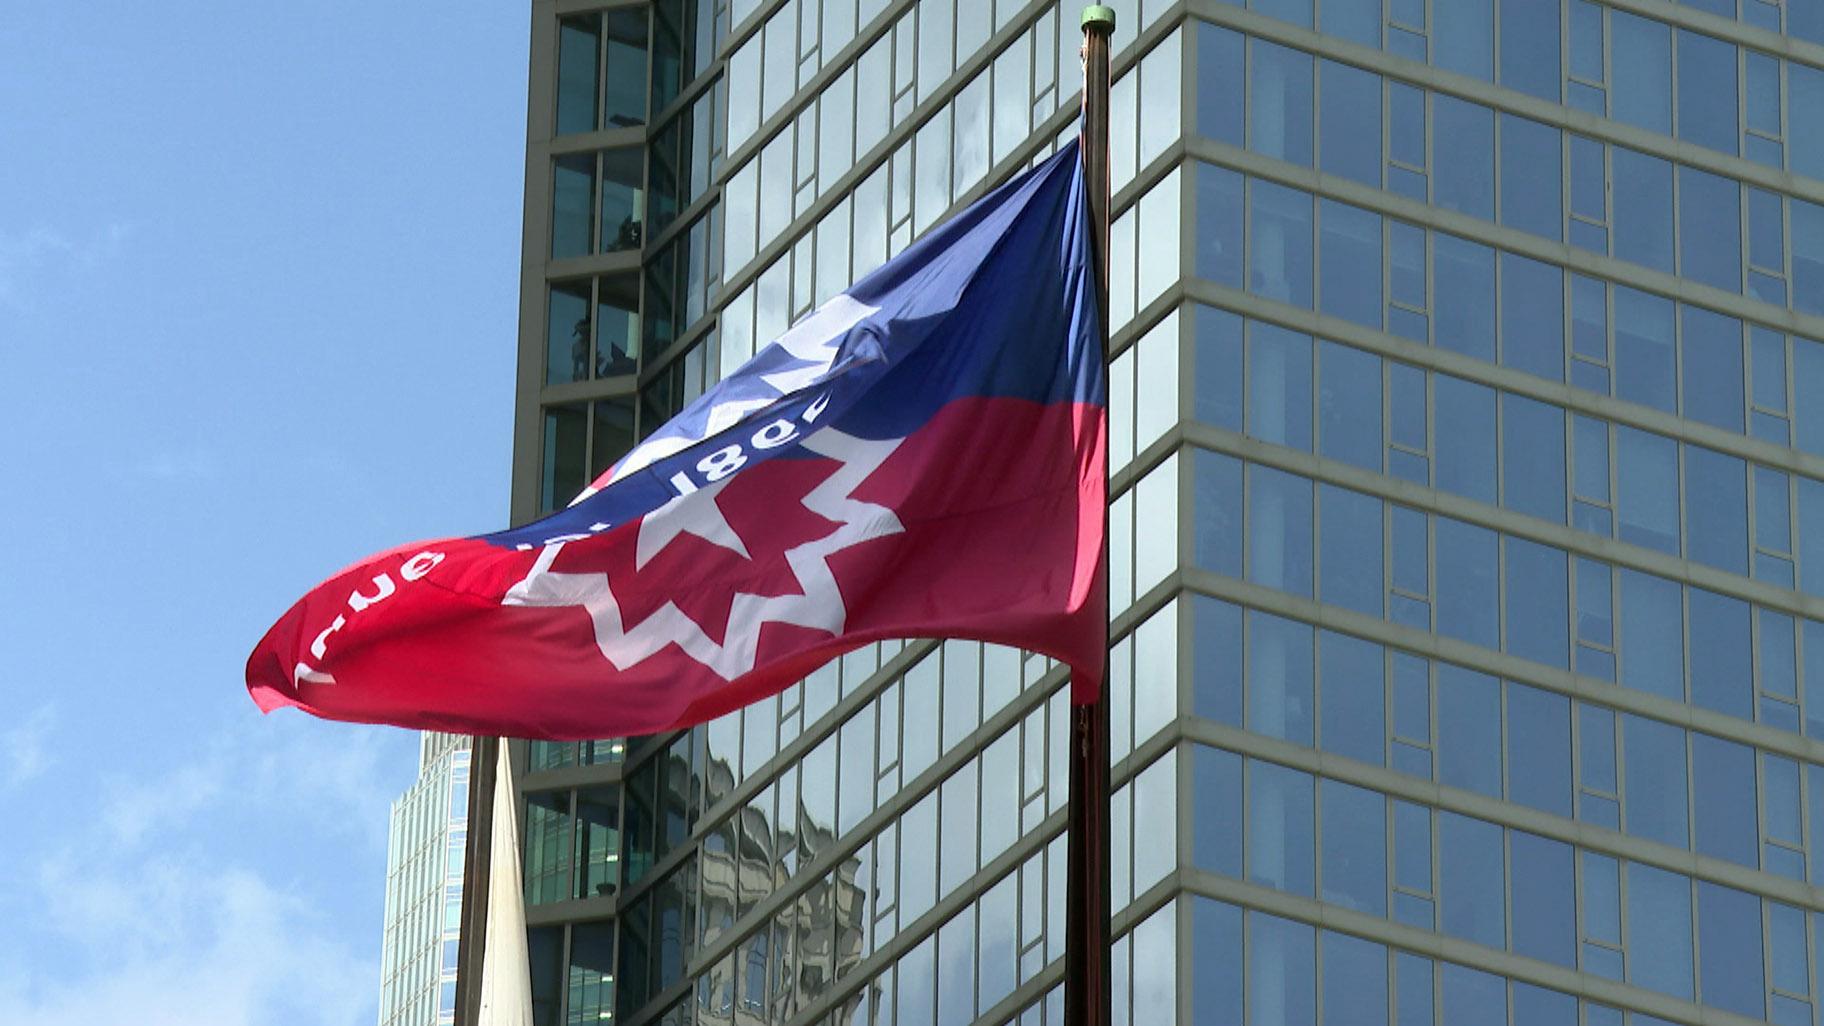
(1086, 948)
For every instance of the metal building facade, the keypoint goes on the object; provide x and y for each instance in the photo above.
(426, 835)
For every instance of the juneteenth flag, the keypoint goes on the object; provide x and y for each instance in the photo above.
(922, 456)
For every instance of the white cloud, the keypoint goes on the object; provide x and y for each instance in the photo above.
(168, 943)
(130, 807)
(142, 915)
(327, 777)
(23, 748)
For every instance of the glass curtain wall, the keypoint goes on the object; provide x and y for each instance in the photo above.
(1464, 427)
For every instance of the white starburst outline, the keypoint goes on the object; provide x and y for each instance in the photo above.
(818, 606)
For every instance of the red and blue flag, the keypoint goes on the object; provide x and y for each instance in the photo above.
(922, 456)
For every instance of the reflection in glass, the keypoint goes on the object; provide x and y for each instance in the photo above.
(565, 464)
(1279, 249)
(1279, 112)
(567, 333)
(617, 338)
(572, 192)
(625, 79)
(623, 200)
(1279, 542)
(578, 43)
(1281, 968)
(1279, 678)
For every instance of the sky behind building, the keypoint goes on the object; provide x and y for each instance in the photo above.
(258, 287)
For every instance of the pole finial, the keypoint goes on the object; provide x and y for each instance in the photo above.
(1098, 18)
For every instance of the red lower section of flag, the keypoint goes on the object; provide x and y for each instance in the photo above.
(727, 595)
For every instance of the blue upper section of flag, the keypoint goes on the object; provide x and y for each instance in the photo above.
(998, 302)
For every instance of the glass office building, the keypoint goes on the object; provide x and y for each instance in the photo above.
(1467, 411)
(426, 836)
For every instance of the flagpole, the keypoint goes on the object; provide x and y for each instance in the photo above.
(471, 943)
(1086, 945)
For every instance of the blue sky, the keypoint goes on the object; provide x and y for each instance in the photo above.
(258, 288)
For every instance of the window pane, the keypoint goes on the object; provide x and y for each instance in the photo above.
(1351, 123)
(1470, 883)
(1807, 257)
(1279, 678)
(1279, 102)
(1539, 762)
(1529, 47)
(1468, 599)
(1532, 317)
(1716, 509)
(1729, 935)
(1645, 363)
(567, 334)
(1216, 791)
(1647, 486)
(1710, 229)
(1469, 730)
(1706, 91)
(1464, 41)
(1280, 836)
(1279, 252)
(572, 195)
(1465, 296)
(1652, 635)
(1464, 140)
(1355, 848)
(1537, 596)
(1216, 950)
(623, 201)
(1282, 978)
(1220, 67)
(1218, 512)
(1465, 438)
(1721, 671)
(1353, 697)
(1545, 909)
(1349, 405)
(1219, 225)
(1355, 980)
(1641, 82)
(1350, 251)
(1805, 88)
(1655, 757)
(1642, 205)
(565, 464)
(577, 45)
(1350, 552)
(1279, 385)
(1532, 458)
(1216, 674)
(1659, 930)
(1722, 778)
(625, 86)
(1532, 201)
